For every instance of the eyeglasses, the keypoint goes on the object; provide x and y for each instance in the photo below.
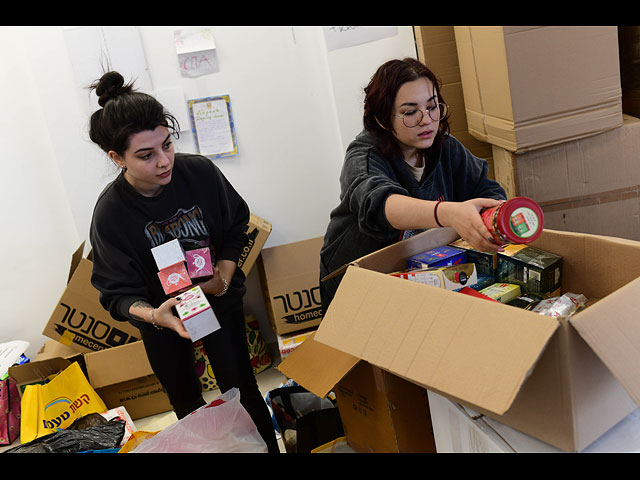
(412, 118)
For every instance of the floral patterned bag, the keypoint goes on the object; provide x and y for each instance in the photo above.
(9, 411)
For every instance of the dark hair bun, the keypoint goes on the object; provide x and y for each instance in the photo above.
(110, 85)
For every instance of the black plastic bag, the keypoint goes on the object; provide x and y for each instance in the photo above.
(305, 420)
(98, 437)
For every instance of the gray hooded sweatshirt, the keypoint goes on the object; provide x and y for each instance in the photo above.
(358, 225)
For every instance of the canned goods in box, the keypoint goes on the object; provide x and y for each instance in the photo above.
(519, 220)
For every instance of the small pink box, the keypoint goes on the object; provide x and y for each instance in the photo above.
(199, 263)
(174, 278)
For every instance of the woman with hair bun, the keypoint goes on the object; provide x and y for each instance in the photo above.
(404, 173)
(158, 196)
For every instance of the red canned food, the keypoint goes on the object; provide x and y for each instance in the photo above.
(519, 220)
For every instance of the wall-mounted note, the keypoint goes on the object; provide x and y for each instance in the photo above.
(342, 37)
(213, 129)
(196, 51)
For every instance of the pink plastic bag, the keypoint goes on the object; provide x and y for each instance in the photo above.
(222, 426)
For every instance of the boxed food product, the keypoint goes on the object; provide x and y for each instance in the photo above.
(503, 292)
(437, 257)
(196, 313)
(485, 261)
(450, 278)
(535, 270)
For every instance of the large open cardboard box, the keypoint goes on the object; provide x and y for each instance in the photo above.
(563, 381)
(527, 87)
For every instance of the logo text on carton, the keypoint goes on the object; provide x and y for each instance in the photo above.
(83, 329)
(301, 306)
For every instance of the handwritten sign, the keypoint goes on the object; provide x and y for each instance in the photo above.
(196, 51)
(213, 128)
(343, 37)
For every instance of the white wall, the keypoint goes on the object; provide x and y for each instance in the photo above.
(295, 105)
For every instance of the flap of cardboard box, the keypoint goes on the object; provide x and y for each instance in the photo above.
(316, 366)
(117, 364)
(617, 340)
(393, 257)
(478, 351)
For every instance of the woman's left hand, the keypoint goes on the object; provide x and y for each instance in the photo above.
(216, 285)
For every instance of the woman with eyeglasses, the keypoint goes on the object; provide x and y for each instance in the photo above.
(405, 173)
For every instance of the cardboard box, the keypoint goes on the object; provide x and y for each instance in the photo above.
(79, 320)
(436, 47)
(437, 257)
(174, 278)
(287, 343)
(196, 314)
(530, 87)
(454, 277)
(589, 185)
(168, 254)
(534, 270)
(199, 263)
(121, 376)
(564, 381)
(258, 231)
(380, 412)
(290, 277)
(503, 292)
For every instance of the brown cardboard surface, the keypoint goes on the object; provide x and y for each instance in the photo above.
(439, 339)
(122, 376)
(258, 231)
(316, 366)
(290, 277)
(564, 382)
(79, 320)
(117, 365)
(591, 185)
(383, 413)
(534, 86)
(437, 49)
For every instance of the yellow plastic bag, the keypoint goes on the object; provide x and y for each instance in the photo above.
(55, 405)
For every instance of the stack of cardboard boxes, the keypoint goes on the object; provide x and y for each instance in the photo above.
(111, 352)
(547, 100)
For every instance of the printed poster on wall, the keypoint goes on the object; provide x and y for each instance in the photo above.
(212, 124)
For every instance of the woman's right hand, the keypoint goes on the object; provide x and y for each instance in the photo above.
(164, 317)
(464, 218)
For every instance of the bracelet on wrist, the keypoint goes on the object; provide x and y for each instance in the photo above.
(224, 290)
(435, 213)
(153, 322)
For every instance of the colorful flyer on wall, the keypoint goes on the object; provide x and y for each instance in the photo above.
(213, 129)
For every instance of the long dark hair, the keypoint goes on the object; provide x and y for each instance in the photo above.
(380, 95)
(124, 112)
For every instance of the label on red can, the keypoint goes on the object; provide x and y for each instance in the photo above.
(524, 222)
